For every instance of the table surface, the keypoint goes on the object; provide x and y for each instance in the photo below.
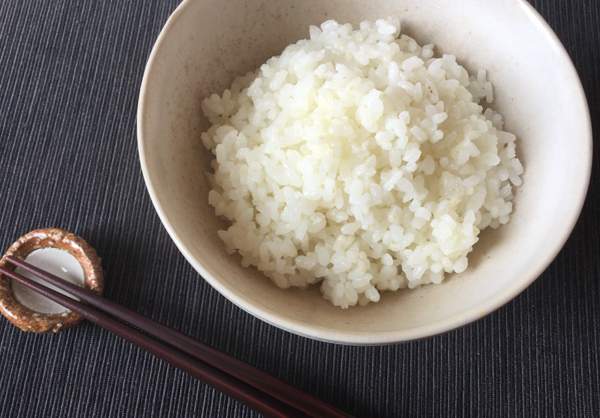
(69, 78)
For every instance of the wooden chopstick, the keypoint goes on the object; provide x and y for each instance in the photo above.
(230, 365)
(265, 383)
(254, 398)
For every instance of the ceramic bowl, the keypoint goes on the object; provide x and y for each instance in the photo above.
(206, 43)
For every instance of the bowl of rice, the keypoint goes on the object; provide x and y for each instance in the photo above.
(364, 172)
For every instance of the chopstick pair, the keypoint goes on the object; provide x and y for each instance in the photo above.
(256, 388)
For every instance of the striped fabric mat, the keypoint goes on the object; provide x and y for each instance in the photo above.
(69, 77)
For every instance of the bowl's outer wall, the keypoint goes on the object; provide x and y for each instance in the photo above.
(207, 43)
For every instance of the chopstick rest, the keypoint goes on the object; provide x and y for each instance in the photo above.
(62, 250)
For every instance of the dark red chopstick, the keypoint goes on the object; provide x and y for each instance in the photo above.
(230, 365)
(260, 380)
(254, 398)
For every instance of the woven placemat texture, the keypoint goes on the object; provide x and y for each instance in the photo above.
(69, 79)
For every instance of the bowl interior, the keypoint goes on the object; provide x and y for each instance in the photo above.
(208, 43)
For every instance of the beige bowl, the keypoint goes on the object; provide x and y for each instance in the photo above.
(206, 43)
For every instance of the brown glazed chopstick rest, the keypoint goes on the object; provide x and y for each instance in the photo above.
(32, 321)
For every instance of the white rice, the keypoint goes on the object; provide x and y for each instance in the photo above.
(358, 160)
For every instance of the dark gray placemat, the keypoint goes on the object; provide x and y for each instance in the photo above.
(69, 77)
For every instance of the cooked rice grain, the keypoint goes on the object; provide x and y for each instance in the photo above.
(358, 160)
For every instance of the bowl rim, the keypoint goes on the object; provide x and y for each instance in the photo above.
(382, 337)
